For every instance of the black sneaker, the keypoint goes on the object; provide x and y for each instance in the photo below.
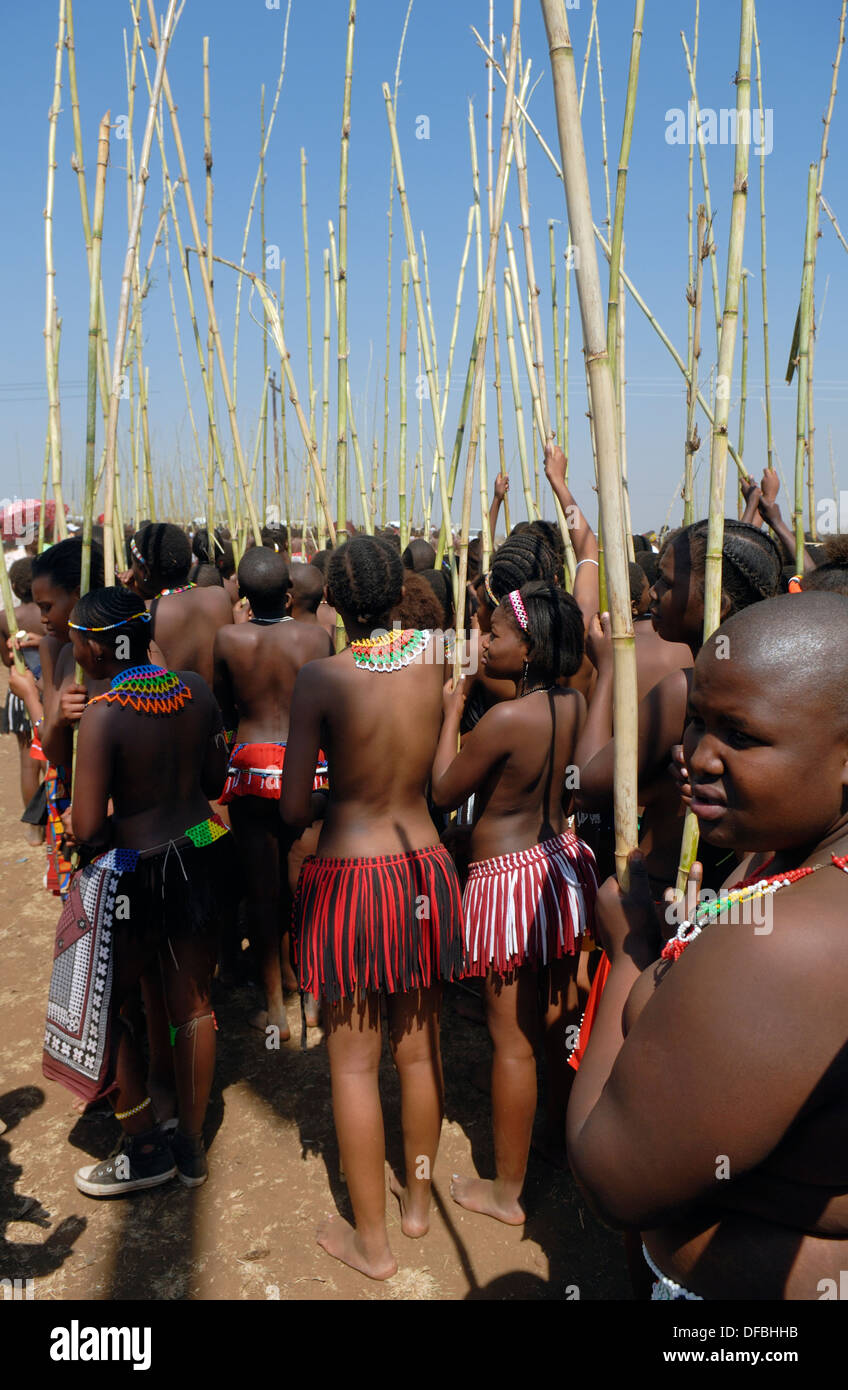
(139, 1161)
(190, 1158)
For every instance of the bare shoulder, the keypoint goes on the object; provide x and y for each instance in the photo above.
(63, 663)
(216, 603)
(200, 692)
(231, 636)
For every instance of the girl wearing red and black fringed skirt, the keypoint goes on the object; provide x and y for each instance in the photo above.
(378, 907)
(531, 884)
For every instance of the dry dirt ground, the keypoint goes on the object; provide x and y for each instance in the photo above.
(274, 1167)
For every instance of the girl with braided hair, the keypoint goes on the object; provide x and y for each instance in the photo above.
(751, 569)
(377, 907)
(531, 883)
(750, 572)
(55, 589)
(184, 618)
(151, 745)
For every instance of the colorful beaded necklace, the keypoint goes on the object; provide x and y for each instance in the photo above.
(183, 588)
(747, 890)
(147, 690)
(391, 652)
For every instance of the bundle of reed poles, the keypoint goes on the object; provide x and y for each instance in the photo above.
(602, 405)
(724, 376)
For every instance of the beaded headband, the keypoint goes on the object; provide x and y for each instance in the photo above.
(488, 587)
(144, 616)
(137, 555)
(518, 609)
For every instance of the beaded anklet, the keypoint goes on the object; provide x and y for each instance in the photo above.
(759, 888)
(125, 1114)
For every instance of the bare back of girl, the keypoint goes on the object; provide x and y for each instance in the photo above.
(157, 770)
(378, 730)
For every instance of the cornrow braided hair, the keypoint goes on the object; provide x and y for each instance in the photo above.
(165, 550)
(550, 532)
(554, 629)
(62, 564)
(521, 559)
(365, 577)
(116, 612)
(752, 562)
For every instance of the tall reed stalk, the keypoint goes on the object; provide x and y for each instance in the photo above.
(402, 423)
(482, 328)
(724, 375)
(342, 387)
(602, 396)
(259, 176)
(423, 334)
(207, 290)
(126, 282)
(804, 338)
(702, 152)
(54, 414)
(763, 276)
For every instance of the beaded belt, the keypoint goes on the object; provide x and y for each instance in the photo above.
(124, 861)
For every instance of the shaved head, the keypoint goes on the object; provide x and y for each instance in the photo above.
(263, 577)
(307, 586)
(797, 644)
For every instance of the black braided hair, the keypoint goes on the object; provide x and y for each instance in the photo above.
(751, 562)
(62, 565)
(365, 577)
(166, 551)
(521, 559)
(550, 532)
(554, 629)
(111, 608)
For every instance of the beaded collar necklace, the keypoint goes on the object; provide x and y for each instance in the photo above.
(748, 889)
(147, 690)
(166, 593)
(269, 622)
(391, 652)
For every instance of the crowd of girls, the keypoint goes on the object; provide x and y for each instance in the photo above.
(227, 749)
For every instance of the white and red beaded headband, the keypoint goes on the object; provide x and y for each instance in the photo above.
(137, 553)
(518, 609)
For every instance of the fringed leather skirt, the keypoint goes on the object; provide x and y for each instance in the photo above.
(390, 923)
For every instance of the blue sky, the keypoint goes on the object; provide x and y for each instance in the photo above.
(442, 69)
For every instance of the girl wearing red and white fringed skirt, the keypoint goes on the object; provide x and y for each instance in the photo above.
(531, 885)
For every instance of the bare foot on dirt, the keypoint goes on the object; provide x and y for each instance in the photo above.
(412, 1223)
(312, 1010)
(340, 1240)
(478, 1194)
(34, 835)
(265, 1019)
